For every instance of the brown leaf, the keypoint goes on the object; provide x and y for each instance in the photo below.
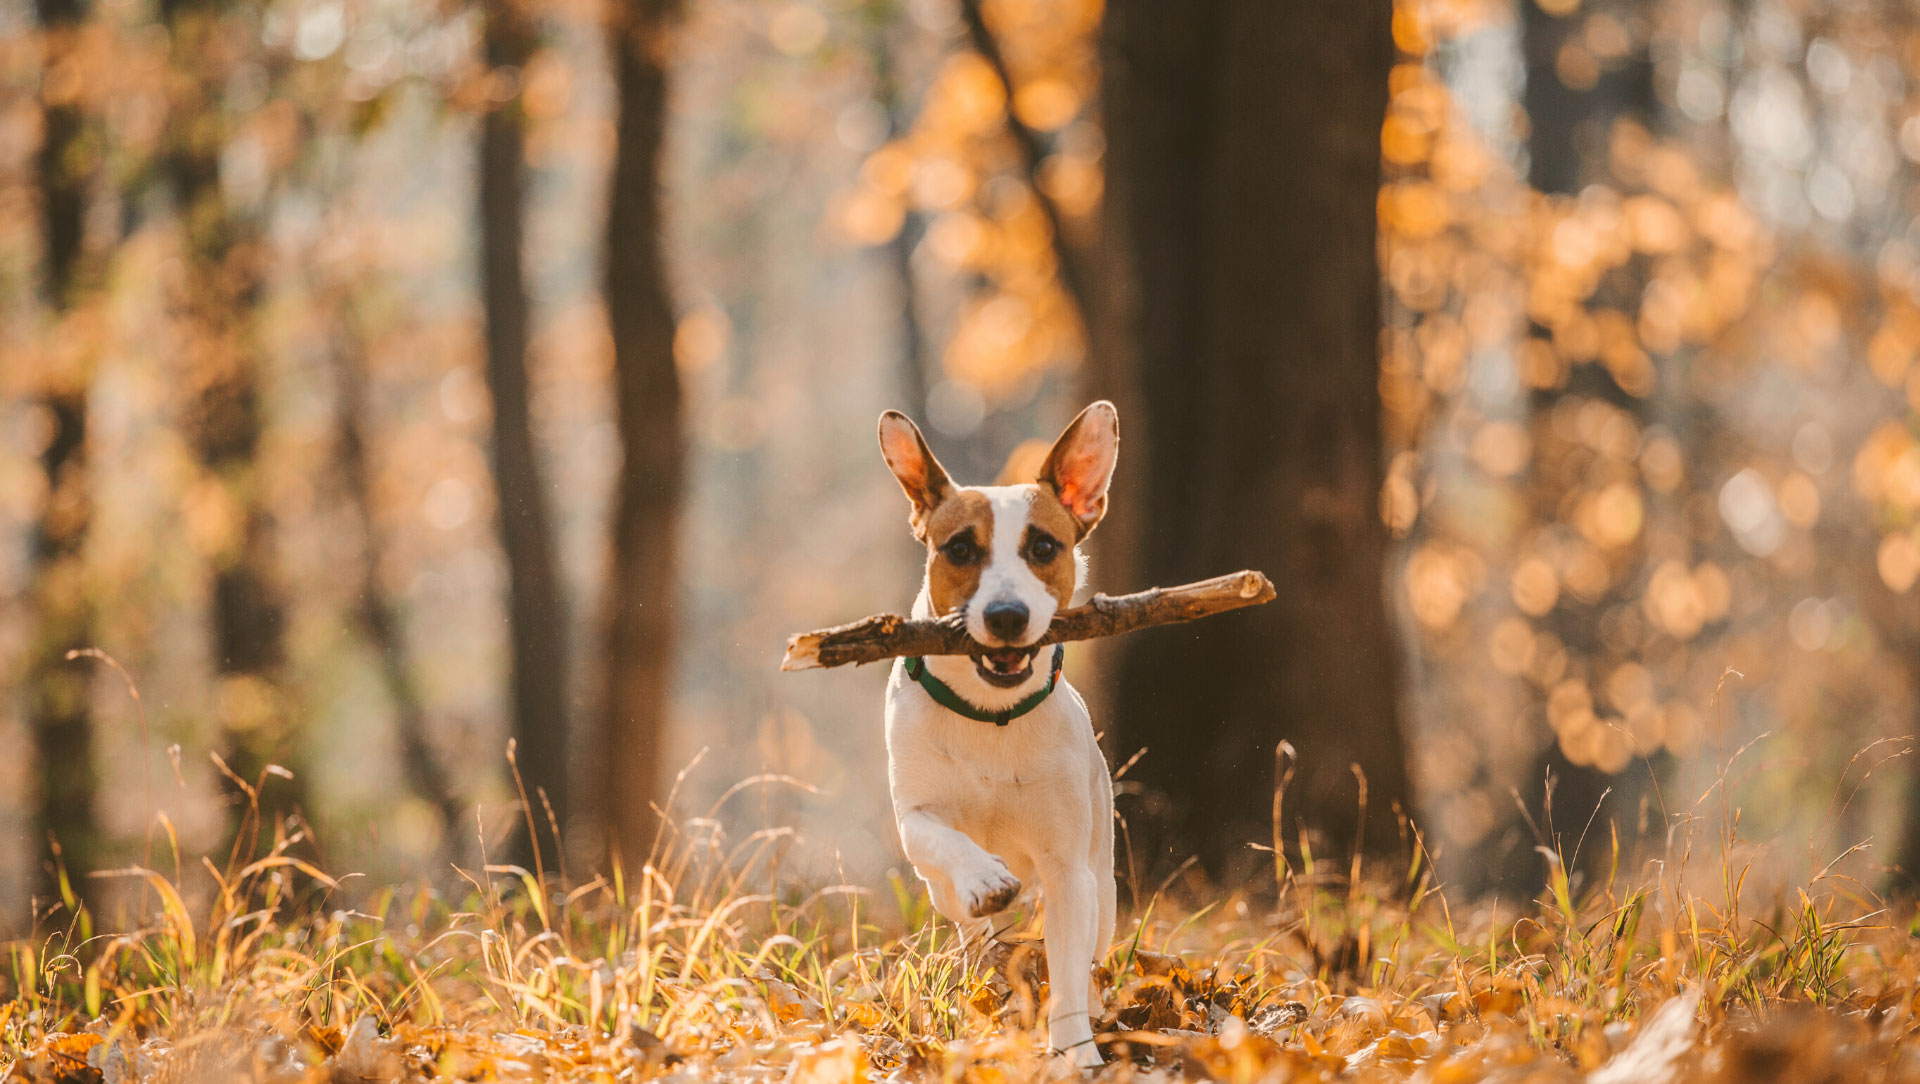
(1150, 1005)
(1273, 1018)
(789, 1005)
(60, 1059)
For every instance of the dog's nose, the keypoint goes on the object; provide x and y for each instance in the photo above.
(1007, 620)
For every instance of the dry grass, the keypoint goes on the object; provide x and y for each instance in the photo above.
(691, 969)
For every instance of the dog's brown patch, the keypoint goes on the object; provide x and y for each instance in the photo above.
(950, 585)
(1048, 515)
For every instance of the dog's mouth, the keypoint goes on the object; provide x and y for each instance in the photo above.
(1005, 667)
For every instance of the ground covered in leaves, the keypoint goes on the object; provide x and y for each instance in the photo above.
(699, 970)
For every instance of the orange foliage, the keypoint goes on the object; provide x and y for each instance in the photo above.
(957, 164)
(1566, 381)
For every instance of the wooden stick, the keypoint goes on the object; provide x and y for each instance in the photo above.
(884, 636)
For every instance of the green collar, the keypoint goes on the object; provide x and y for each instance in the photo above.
(944, 695)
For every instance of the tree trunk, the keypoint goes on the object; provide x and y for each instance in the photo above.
(225, 256)
(380, 616)
(536, 611)
(641, 592)
(1569, 126)
(59, 718)
(1907, 859)
(1075, 277)
(913, 353)
(1243, 169)
(1578, 805)
(1895, 620)
(62, 176)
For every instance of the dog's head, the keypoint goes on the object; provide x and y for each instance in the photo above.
(1004, 556)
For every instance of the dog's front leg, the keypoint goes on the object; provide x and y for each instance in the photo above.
(1072, 915)
(967, 883)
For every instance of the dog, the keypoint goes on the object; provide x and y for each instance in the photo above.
(997, 779)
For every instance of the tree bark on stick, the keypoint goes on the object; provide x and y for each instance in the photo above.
(886, 636)
(1240, 341)
(536, 611)
(640, 625)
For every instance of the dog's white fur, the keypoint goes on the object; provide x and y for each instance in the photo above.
(984, 810)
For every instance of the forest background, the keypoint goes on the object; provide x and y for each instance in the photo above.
(385, 380)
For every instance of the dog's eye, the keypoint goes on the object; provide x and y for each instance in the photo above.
(959, 551)
(1043, 548)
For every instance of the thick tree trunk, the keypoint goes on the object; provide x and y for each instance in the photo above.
(1243, 168)
(641, 591)
(59, 717)
(536, 611)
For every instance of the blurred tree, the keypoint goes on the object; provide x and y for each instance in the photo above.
(1243, 162)
(379, 614)
(986, 195)
(1575, 92)
(1574, 98)
(889, 95)
(641, 586)
(1897, 622)
(536, 612)
(225, 255)
(1069, 260)
(59, 714)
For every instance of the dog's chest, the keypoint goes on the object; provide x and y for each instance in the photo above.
(980, 771)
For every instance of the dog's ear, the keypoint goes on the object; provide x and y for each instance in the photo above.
(911, 461)
(1080, 465)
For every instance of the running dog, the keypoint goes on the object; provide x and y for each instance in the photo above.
(996, 777)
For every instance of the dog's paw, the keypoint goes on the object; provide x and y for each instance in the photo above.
(1087, 1056)
(992, 892)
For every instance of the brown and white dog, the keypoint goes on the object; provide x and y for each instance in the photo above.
(996, 777)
